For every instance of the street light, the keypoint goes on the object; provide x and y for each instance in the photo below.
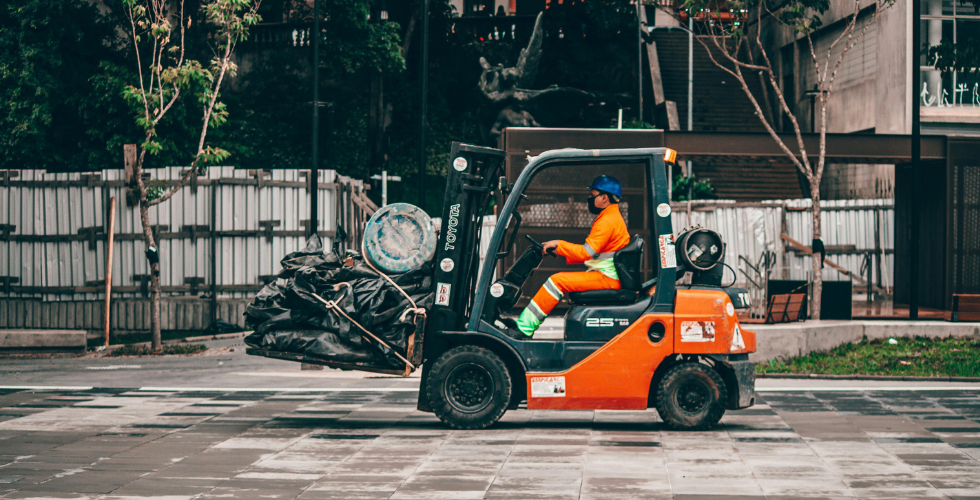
(424, 63)
(384, 178)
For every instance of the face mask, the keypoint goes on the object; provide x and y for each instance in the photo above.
(592, 208)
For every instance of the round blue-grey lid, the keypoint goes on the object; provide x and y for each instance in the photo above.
(399, 238)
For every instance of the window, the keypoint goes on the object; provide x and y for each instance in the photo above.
(957, 21)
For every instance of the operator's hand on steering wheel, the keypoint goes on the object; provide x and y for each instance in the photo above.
(549, 247)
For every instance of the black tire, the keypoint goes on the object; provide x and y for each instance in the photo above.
(691, 397)
(469, 387)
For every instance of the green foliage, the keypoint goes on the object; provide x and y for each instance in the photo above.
(961, 57)
(60, 78)
(634, 123)
(167, 71)
(352, 42)
(702, 189)
(920, 356)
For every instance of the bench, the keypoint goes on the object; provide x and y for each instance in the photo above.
(784, 308)
(966, 307)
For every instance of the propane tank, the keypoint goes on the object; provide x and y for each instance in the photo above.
(701, 251)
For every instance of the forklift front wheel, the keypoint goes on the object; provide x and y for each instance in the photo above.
(469, 387)
(691, 396)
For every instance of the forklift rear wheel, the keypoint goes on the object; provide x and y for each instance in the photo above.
(469, 388)
(691, 396)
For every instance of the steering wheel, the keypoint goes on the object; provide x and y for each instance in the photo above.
(539, 246)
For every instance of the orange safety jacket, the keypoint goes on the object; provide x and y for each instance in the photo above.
(608, 235)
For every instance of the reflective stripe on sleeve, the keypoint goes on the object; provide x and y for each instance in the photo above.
(589, 250)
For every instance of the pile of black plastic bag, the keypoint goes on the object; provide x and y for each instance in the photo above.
(288, 318)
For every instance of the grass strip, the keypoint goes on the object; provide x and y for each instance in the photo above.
(911, 357)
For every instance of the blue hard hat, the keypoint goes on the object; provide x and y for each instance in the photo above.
(607, 184)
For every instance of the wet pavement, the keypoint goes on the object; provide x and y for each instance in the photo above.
(357, 443)
(233, 426)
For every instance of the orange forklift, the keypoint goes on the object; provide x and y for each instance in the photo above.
(653, 343)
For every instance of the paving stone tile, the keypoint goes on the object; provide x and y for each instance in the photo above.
(510, 487)
(84, 481)
(613, 487)
(444, 486)
(363, 445)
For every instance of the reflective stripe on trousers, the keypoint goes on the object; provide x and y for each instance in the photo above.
(554, 289)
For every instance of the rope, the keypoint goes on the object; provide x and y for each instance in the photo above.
(332, 306)
(418, 311)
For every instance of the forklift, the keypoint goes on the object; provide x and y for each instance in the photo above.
(653, 343)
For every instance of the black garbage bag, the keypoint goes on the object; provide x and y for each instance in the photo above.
(220, 326)
(287, 317)
(310, 256)
(266, 305)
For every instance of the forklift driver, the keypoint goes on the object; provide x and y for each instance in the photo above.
(608, 234)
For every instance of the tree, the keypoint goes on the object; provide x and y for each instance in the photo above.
(166, 75)
(731, 33)
(961, 57)
(61, 76)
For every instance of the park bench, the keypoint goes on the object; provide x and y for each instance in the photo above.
(966, 307)
(784, 308)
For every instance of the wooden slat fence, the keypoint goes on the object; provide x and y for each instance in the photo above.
(223, 235)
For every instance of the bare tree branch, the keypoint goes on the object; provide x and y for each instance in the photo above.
(806, 168)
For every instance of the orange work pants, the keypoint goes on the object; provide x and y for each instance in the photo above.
(554, 289)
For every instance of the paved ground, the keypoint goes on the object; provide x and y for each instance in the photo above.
(267, 430)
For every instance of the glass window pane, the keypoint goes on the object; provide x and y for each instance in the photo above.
(967, 8)
(937, 7)
(934, 90)
(933, 33)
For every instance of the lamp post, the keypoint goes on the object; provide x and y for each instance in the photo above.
(424, 68)
(916, 158)
(384, 178)
(315, 149)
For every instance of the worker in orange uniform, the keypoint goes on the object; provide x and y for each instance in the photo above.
(608, 235)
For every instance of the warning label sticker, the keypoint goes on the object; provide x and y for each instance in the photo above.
(548, 387)
(738, 343)
(698, 331)
(667, 257)
(442, 294)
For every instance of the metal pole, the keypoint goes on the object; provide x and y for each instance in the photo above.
(690, 71)
(639, 62)
(315, 167)
(690, 106)
(916, 158)
(424, 68)
(214, 251)
(108, 265)
(384, 188)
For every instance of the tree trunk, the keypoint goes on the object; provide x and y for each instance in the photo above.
(817, 259)
(154, 276)
(155, 307)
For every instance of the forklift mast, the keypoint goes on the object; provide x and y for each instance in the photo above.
(472, 176)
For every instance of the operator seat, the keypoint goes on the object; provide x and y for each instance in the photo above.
(628, 261)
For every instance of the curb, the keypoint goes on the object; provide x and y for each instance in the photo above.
(816, 376)
(204, 338)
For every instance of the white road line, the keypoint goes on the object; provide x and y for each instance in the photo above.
(46, 387)
(278, 389)
(114, 367)
(877, 389)
(414, 389)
